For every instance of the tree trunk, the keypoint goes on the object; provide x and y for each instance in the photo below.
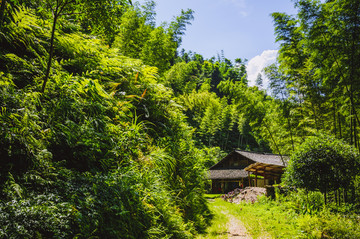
(290, 128)
(291, 134)
(339, 119)
(353, 194)
(276, 146)
(351, 126)
(226, 140)
(335, 131)
(315, 117)
(345, 196)
(336, 197)
(50, 53)
(355, 135)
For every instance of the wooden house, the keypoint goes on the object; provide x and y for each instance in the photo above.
(240, 169)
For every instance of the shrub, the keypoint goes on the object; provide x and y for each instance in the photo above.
(329, 225)
(305, 202)
(44, 215)
(323, 163)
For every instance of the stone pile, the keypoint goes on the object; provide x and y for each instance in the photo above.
(249, 194)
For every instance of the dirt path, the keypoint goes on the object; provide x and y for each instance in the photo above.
(226, 222)
(236, 229)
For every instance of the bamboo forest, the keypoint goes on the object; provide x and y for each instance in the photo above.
(108, 127)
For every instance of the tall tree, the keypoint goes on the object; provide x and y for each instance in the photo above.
(178, 25)
(89, 8)
(133, 34)
(159, 50)
(259, 81)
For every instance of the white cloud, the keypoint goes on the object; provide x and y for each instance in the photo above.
(258, 63)
(240, 4)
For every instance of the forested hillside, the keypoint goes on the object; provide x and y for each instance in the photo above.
(108, 127)
(95, 146)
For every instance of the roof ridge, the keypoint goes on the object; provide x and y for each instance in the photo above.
(262, 153)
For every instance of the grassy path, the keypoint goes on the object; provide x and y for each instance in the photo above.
(247, 220)
(225, 223)
(236, 229)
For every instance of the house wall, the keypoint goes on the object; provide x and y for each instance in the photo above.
(225, 186)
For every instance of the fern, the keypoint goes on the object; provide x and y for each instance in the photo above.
(12, 188)
(20, 32)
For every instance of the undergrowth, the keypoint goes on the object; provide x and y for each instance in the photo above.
(104, 152)
(220, 218)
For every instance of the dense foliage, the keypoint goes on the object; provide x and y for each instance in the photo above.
(107, 129)
(316, 82)
(103, 152)
(316, 77)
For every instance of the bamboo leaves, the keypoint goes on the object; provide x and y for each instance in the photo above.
(319, 59)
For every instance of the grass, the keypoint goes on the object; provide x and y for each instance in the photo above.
(222, 211)
(218, 227)
(272, 219)
(262, 220)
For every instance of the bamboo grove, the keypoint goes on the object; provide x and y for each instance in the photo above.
(318, 67)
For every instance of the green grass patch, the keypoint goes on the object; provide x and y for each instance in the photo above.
(219, 209)
(212, 196)
(280, 219)
(268, 218)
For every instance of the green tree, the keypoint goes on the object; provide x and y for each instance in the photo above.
(177, 27)
(148, 12)
(320, 61)
(72, 7)
(277, 82)
(159, 50)
(183, 77)
(323, 163)
(133, 34)
(259, 81)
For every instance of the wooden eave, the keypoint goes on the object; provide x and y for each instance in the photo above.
(265, 169)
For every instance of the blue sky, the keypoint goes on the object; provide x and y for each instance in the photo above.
(241, 28)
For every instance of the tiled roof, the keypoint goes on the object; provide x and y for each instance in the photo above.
(266, 158)
(271, 161)
(228, 174)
